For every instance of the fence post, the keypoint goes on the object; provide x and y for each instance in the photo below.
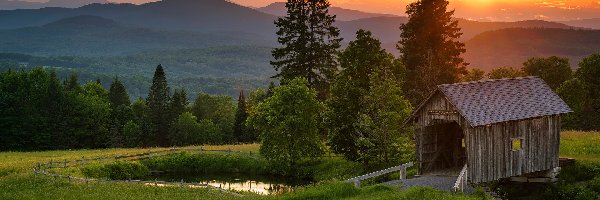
(357, 183)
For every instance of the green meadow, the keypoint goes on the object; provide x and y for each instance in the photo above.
(17, 180)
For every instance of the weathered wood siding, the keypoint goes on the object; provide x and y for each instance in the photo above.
(489, 148)
(490, 153)
(426, 139)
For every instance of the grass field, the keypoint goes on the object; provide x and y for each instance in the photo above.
(584, 146)
(17, 180)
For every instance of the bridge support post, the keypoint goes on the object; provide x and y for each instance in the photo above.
(357, 183)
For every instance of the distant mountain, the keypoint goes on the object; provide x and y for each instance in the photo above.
(193, 15)
(216, 70)
(19, 4)
(513, 46)
(88, 35)
(387, 29)
(342, 14)
(586, 23)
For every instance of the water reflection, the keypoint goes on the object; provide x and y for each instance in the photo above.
(264, 185)
(252, 186)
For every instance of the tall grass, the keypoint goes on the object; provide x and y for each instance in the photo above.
(583, 146)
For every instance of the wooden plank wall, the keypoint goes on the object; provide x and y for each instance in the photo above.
(490, 154)
(489, 148)
(426, 140)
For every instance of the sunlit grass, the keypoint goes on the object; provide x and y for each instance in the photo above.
(583, 146)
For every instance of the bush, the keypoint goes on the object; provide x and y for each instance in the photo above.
(117, 171)
(594, 184)
(570, 191)
(580, 171)
(208, 163)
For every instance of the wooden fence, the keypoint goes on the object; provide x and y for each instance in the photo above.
(401, 168)
(461, 181)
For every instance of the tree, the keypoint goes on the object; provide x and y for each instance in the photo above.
(362, 56)
(505, 72)
(574, 94)
(185, 130)
(158, 107)
(473, 74)
(588, 73)
(240, 131)
(220, 110)
(553, 70)
(72, 83)
(383, 141)
(288, 123)
(429, 48)
(179, 103)
(309, 44)
(121, 112)
(117, 94)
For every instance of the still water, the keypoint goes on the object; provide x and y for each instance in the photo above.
(264, 185)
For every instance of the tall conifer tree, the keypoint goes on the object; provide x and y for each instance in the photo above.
(117, 94)
(240, 131)
(121, 112)
(158, 107)
(309, 44)
(429, 48)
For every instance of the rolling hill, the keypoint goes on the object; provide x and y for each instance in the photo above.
(342, 14)
(191, 15)
(586, 23)
(513, 46)
(88, 35)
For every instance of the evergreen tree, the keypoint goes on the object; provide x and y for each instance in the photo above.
(158, 102)
(310, 43)
(121, 112)
(240, 131)
(429, 48)
(72, 83)
(117, 94)
(179, 103)
(361, 58)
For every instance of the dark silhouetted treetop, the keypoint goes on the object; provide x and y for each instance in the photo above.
(309, 44)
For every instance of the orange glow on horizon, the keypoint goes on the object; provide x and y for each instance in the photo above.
(491, 10)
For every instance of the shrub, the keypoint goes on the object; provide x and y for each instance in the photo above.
(208, 163)
(594, 184)
(117, 171)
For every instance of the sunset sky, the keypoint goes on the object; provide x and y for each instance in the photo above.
(485, 10)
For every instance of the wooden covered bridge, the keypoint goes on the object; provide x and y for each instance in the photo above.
(491, 129)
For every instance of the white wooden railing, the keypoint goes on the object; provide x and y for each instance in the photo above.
(460, 183)
(401, 168)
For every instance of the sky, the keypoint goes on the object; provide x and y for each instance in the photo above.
(481, 10)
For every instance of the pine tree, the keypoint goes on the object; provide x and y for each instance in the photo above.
(158, 107)
(310, 43)
(429, 48)
(240, 131)
(117, 94)
(179, 102)
(72, 83)
(121, 112)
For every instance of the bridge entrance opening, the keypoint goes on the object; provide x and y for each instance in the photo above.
(443, 149)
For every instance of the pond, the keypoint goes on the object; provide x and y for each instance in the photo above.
(259, 184)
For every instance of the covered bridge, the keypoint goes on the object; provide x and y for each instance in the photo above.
(495, 128)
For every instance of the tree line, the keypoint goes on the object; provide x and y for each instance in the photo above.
(41, 112)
